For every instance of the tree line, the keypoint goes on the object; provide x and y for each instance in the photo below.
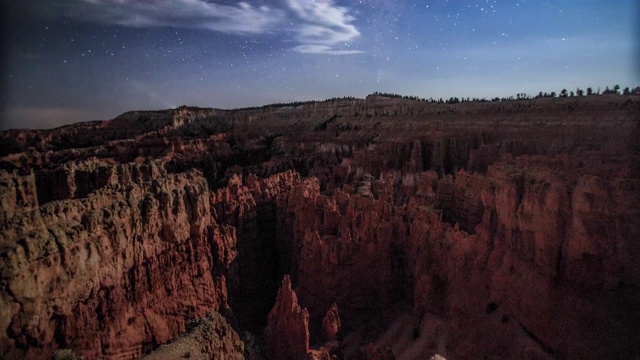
(615, 90)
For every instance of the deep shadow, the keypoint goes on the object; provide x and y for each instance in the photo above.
(253, 290)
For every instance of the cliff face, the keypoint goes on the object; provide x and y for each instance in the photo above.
(255, 275)
(505, 230)
(531, 239)
(127, 265)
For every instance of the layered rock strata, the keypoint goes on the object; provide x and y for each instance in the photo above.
(499, 230)
(110, 273)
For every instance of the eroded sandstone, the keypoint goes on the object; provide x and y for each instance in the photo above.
(501, 230)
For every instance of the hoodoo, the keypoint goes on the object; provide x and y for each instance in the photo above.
(382, 228)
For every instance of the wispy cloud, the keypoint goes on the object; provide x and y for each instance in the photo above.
(319, 26)
(324, 27)
(242, 18)
(324, 49)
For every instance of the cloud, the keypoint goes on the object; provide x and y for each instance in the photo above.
(242, 18)
(324, 49)
(324, 27)
(319, 26)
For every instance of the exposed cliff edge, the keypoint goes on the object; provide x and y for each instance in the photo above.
(401, 229)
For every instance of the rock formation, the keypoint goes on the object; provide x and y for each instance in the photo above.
(287, 332)
(331, 323)
(107, 273)
(500, 230)
(207, 338)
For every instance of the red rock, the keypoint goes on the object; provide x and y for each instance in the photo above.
(331, 323)
(101, 273)
(287, 332)
(210, 337)
(110, 241)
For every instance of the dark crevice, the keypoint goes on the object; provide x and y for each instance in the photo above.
(61, 249)
(60, 330)
(323, 125)
(544, 347)
(492, 307)
(402, 272)
(519, 189)
(559, 265)
(253, 290)
(132, 280)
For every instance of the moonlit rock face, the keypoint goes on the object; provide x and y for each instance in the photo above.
(377, 228)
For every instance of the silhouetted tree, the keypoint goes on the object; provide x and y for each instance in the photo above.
(580, 92)
(626, 91)
(589, 91)
(563, 93)
(553, 94)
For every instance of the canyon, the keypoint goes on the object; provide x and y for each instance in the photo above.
(377, 228)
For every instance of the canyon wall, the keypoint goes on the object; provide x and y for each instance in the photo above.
(110, 272)
(498, 230)
(554, 251)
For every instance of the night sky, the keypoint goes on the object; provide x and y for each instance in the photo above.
(72, 60)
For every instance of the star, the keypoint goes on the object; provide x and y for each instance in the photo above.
(96, 59)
